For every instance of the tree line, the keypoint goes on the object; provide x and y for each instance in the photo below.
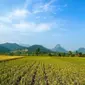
(38, 52)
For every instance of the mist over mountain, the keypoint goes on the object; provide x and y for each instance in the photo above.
(82, 50)
(58, 48)
(25, 45)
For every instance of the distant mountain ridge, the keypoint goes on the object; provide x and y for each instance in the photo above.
(3, 49)
(6, 47)
(25, 45)
(58, 48)
(42, 48)
(82, 50)
(12, 46)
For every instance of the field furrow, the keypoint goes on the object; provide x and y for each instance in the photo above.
(42, 71)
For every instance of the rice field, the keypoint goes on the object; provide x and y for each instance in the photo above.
(4, 57)
(43, 71)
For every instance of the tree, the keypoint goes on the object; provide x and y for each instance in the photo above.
(63, 54)
(70, 53)
(80, 54)
(37, 51)
(59, 54)
(50, 54)
(77, 53)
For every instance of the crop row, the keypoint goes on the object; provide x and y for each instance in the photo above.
(25, 72)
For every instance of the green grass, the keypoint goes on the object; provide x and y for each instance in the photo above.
(38, 70)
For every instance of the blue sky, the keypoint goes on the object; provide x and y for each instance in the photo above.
(44, 22)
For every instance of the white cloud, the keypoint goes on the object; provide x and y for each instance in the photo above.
(19, 14)
(16, 20)
(37, 8)
(4, 19)
(43, 7)
(32, 27)
(43, 27)
(14, 16)
(27, 3)
(37, 11)
(47, 6)
(18, 23)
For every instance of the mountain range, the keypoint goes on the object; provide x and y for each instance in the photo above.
(82, 50)
(12, 46)
(3, 49)
(42, 48)
(25, 45)
(58, 48)
(6, 47)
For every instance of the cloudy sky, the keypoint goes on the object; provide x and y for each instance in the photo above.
(45, 22)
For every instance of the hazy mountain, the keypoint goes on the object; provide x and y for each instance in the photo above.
(81, 50)
(12, 46)
(3, 49)
(58, 48)
(42, 49)
(25, 45)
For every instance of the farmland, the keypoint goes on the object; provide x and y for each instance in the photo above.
(3, 57)
(43, 71)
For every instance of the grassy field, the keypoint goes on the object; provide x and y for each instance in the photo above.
(43, 71)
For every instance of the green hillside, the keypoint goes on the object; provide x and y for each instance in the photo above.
(42, 49)
(3, 50)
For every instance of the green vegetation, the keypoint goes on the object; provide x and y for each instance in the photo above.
(38, 70)
(14, 49)
(4, 50)
(12, 46)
